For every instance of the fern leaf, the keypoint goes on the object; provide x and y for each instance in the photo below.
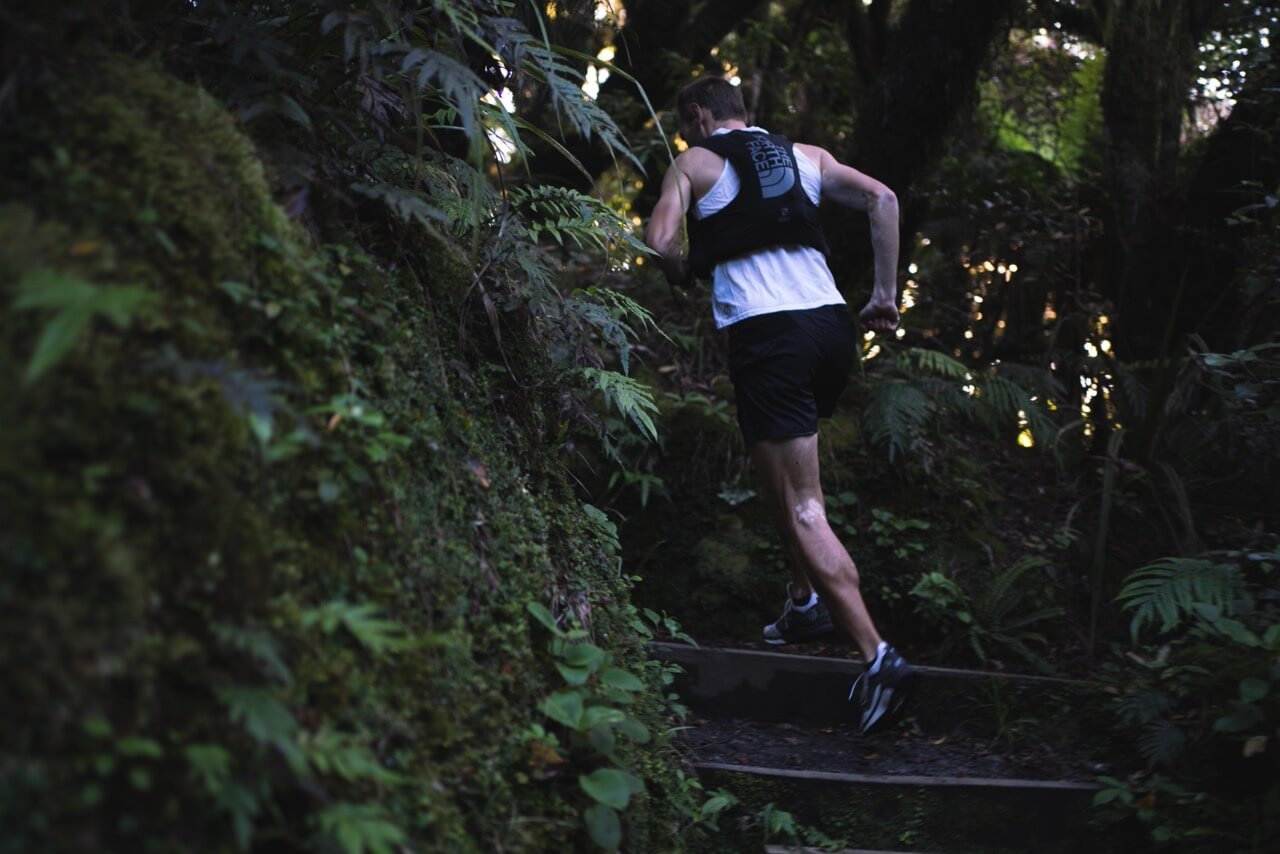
(1171, 588)
(374, 634)
(933, 362)
(1161, 742)
(632, 399)
(362, 828)
(258, 644)
(895, 416)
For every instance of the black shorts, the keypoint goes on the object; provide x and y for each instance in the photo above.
(788, 369)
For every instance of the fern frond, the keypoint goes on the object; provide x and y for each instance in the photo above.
(632, 399)
(405, 203)
(1143, 707)
(373, 633)
(257, 644)
(1161, 742)
(561, 212)
(546, 64)
(1040, 382)
(1004, 401)
(450, 80)
(919, 360)
(1171, 588)
(895, 416)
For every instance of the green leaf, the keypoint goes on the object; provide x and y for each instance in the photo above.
(1253, 689)
(604, 826)
(540, 613)
(242, 805)
(96, 726)
(56, 339)
(77, 302)
(1246, 715)
(237, 291)
(377, 635)
(140, 779)
(595, 716)
(718, 803)
(603, 740)
(210, 764)
(586, 655)
(573, 675)
(609, 786)
(1106, 796)
(636, 731)
(265, 718)
(258, 644)
(132, 745)
(564, 707)
(617, 678)
(360, 828)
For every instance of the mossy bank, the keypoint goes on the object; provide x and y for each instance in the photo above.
(271, 531)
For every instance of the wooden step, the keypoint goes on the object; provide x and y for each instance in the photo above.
(811, 690)
(985, 761)
(908, 813)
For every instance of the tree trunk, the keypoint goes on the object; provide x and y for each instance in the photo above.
(1151, 49)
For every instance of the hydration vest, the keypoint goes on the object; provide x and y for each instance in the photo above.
(771, 208)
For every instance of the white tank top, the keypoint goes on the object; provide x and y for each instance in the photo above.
(780, 278)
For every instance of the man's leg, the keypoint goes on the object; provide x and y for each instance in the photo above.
(789, 470)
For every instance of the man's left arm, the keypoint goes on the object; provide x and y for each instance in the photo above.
(847, 186)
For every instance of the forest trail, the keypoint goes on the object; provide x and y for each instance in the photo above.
(981, 762)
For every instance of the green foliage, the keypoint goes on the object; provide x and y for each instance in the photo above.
(1201, 706)
(1001, 614)
(593, 711)
(1173, 589)
(921, 389)
(376, 635)
(632, 399)
(256, 477)
(360, 828)
(77, 303)
(894, 533)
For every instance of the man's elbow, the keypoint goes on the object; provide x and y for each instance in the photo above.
(660, 239)
(885, 201)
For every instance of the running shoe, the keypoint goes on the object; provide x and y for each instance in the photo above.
(797, 626)
(881, 690)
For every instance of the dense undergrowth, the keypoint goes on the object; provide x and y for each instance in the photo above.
(290, 559)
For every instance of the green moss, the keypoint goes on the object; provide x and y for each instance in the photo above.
(212, 501)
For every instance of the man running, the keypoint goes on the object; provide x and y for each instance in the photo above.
(753, 230)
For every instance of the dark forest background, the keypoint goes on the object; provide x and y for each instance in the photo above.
(351, 450)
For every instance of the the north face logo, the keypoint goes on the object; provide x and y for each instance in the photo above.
(773, 167)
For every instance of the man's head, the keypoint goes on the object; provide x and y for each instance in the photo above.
(708, 100)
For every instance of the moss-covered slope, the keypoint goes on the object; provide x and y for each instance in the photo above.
(269, 534)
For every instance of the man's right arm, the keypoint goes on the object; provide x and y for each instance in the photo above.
(666, 225)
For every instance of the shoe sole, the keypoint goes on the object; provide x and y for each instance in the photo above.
(785, 642)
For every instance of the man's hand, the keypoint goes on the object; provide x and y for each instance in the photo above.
(879, 316)
(677, 272)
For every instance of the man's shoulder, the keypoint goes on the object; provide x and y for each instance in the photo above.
(816, 153)
(696, 158)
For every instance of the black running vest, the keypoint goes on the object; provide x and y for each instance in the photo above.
(771, 208)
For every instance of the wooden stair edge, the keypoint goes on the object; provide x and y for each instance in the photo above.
(672, 651)
(901, 779)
